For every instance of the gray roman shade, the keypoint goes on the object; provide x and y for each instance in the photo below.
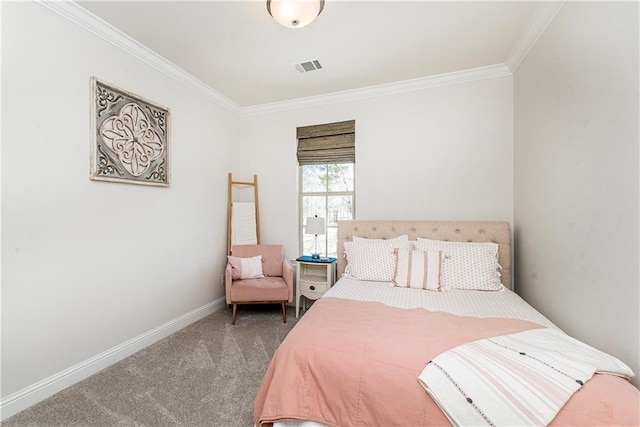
(327, 143)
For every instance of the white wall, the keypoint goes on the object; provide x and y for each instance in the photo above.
(441, 153)
(576, 176)
(89, 265)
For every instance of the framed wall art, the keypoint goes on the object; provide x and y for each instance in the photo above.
(130, 137)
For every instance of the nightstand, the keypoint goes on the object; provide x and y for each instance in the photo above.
(314, 277)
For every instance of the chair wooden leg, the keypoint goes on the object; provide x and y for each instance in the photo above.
(284, 313)
(233, 316)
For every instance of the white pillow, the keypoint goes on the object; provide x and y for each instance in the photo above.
(246, 268)
(418, 269)
(373, 259)
(469, 265)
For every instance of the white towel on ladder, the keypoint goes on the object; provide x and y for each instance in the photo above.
(243, 223)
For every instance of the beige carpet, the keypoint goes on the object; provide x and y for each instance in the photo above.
(206, 374)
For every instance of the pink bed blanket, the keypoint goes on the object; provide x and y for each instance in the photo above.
(352, 363)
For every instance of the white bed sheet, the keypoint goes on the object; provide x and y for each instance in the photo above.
(501, 304)
(505, 303)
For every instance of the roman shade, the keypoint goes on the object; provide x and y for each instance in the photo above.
(327, 143)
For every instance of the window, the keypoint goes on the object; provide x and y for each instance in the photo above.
(327, 190)
(326, 155)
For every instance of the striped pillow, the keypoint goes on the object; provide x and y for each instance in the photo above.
(418, 269)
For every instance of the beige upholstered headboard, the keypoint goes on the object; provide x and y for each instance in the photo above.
(455, 231)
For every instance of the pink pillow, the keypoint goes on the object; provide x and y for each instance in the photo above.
(246, 268)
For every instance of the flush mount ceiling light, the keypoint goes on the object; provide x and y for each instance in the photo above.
(295, 13)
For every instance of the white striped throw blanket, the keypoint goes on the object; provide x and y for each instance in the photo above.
(519, 379)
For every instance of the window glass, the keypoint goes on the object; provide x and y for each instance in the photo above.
(340, 207)
(326, 191)
(312, 206)
(340, 177)
(332, 241)
(314, 178)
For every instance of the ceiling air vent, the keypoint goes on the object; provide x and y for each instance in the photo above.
(306, 66)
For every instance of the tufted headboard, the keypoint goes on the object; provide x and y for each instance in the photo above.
(455, 231)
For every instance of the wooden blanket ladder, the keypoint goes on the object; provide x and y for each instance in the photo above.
(240, 219)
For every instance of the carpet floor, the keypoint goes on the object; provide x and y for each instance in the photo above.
(206, 374)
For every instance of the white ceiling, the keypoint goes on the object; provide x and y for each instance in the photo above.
(238, 50)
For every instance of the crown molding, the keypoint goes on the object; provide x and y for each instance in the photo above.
(90, 22)
(545, 14)
(446, 79)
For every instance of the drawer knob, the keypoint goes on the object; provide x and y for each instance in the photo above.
(313, 288)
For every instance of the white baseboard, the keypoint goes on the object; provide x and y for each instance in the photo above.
(34, 393)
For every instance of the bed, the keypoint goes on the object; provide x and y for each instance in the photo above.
(387, 352)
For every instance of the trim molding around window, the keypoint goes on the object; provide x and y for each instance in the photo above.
(330, 194)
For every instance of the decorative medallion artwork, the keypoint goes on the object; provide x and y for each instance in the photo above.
(130, 141)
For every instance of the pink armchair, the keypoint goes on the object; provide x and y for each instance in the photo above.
(275, 288)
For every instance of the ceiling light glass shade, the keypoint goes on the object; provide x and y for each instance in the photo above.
(295, 13)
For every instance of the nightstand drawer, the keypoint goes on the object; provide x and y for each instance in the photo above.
(313, 286)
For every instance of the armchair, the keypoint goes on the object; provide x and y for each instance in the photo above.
(276, 287)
